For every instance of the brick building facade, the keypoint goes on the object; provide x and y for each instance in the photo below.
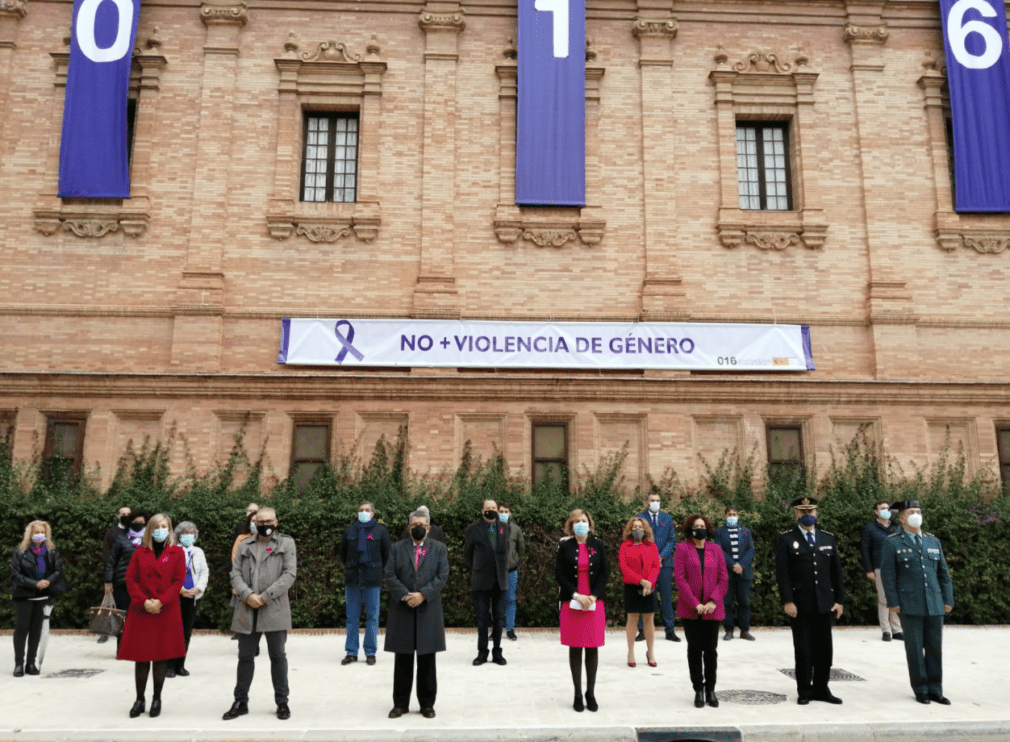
(128, 319)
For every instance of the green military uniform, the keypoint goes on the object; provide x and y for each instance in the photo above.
(916, 579)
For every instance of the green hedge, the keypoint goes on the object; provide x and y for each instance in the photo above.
(970, 513)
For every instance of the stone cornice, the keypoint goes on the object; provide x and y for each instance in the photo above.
(656, 27)
(454, 22)
(15, 8)
(233, 14)
(853, 34)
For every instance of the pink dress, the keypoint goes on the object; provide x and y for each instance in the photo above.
(583, 628)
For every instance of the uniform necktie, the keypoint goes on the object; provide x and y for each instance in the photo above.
(810, 538)
(916, 539)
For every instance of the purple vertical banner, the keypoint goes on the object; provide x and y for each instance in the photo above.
(94, 162)
(551, 117)
(978, 74)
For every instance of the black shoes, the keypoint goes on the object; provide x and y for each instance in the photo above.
(155, 707)
(19, 671)
(396, 712)
(511, 634)
(802, 701)
(283, 712)
(370, 660)
(498, 660)
(103, 638)
(480, 659)
(886, 637)
(641, 636)
(31, 669)
(138, 708)
(577, 704)
(182, 672)
(748, 636)
(170, 672)
(349, 659)
(239, 708)
(898, 635)
(699, 699)
(922, 698)
(428, 713)
(939, 698)
(671, 636)
(591, 703)
(711, 700)
(827, 698)
(728, 635)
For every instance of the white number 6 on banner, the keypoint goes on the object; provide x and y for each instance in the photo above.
(957, 33)
(86, 31)
(559, 15)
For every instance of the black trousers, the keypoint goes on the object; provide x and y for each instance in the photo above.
(813, 652)
(924, 652)
(738, 594)
(187, 606)
(248, 645)
(122, 597)
(28, 615)
(702, 657)
(403, 679)
(490, 614)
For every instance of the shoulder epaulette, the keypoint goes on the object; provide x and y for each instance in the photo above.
(892, 535)
(927, 534)
(783, 533)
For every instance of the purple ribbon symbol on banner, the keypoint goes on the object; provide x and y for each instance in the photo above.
(346, 340)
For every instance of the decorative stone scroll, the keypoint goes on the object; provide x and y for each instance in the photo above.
(853, 34)
(230, 15)
(665, 28)
(16, 8)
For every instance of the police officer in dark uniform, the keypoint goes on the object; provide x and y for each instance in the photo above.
(812, 588)
(918, 588)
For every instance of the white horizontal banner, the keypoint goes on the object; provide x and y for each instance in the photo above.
(591, 345)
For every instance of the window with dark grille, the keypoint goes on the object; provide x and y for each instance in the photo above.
(310, 452)
(131, 126)
(550, 453)
(762, 157)
(330, 157)
(1003, 445)
(64, 448)
(785, 453)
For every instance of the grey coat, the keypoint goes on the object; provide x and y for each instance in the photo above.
(403, 636)
(269, 570)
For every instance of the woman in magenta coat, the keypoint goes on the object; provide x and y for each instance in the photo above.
(699, 568)
(153, 630)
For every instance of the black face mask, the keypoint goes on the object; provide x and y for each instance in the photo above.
(491, 514)
(417, 532)
(699, 533)
(125, 520)
(266, 531)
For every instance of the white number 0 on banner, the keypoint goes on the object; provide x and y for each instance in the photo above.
(86, 31)
(957, 33)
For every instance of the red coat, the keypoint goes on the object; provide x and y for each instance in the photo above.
(146, 637)
(639, 562)
(687, 573)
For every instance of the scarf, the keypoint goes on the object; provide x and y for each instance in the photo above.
(135, 536)
(40, 559)
(364, 533)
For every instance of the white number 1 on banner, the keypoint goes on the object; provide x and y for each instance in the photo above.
(559, 15)
(958, 30)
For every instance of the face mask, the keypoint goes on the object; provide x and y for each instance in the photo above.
(490, 514)
(159, 534)
(364, 516)
(503, 517)
(253, 529)
(266, 530)
(808, 520)
(580, 529)
(124, 521)
(732, 521)
(699, 533)
(653, 507)
(38, 538)
(417, 532)
(915, 520)
(885, 514)
(136, 530)
(637, 533)
(187, 539)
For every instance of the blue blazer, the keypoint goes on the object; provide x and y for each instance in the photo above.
(665, 536)
(745, 544)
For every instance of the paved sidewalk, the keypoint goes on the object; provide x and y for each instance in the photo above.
(529, 699)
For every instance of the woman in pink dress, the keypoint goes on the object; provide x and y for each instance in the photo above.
(582, 571)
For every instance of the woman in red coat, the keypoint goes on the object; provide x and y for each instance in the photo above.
(699, 568)
(153, 630)
(640, 565)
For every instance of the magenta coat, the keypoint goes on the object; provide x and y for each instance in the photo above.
(687, 573)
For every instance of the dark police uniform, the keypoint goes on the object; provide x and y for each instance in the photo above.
(810, 577)
(917, 580)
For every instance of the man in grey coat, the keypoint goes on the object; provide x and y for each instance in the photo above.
(261, 575)
(416, 573)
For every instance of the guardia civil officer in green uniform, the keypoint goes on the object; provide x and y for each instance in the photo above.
(918, 588)
(812, 588)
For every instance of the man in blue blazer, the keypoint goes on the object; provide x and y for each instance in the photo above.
(737, 544)
(665, 535)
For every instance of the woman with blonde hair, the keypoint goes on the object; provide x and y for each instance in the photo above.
(640, 565)
(36, 574)
(153, 631)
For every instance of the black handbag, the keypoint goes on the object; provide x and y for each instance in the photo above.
(106, 618)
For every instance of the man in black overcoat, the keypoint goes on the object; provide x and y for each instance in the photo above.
(416, 573)
(812, 588)
(486, 550)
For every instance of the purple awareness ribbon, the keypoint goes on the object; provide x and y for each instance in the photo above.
(346, 341)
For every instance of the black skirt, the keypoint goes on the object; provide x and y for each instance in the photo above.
(635, 602)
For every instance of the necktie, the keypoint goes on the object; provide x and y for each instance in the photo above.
(915, 538)
(417, 554)
(810, 538)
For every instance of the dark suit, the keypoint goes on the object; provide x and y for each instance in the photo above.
(740, 585)
(664, 533)
(812, 579)
(916, 579)
(566, 568)
(420, 629)
(488, 579)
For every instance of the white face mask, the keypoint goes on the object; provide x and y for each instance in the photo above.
(654, 507)
(915, 520)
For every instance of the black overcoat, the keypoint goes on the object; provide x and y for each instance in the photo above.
(403, 636)
(566, 568)
(488, 566)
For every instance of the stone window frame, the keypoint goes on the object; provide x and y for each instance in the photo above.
(96, 217)
(1003, 454)
(329, 77)
(641, 444)
(333, 117)
(546, 226)
(764, 87)
(988, 234)
(803, 422)
(53, 418)
(315, 420)
(8, 428)
(546, 418)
